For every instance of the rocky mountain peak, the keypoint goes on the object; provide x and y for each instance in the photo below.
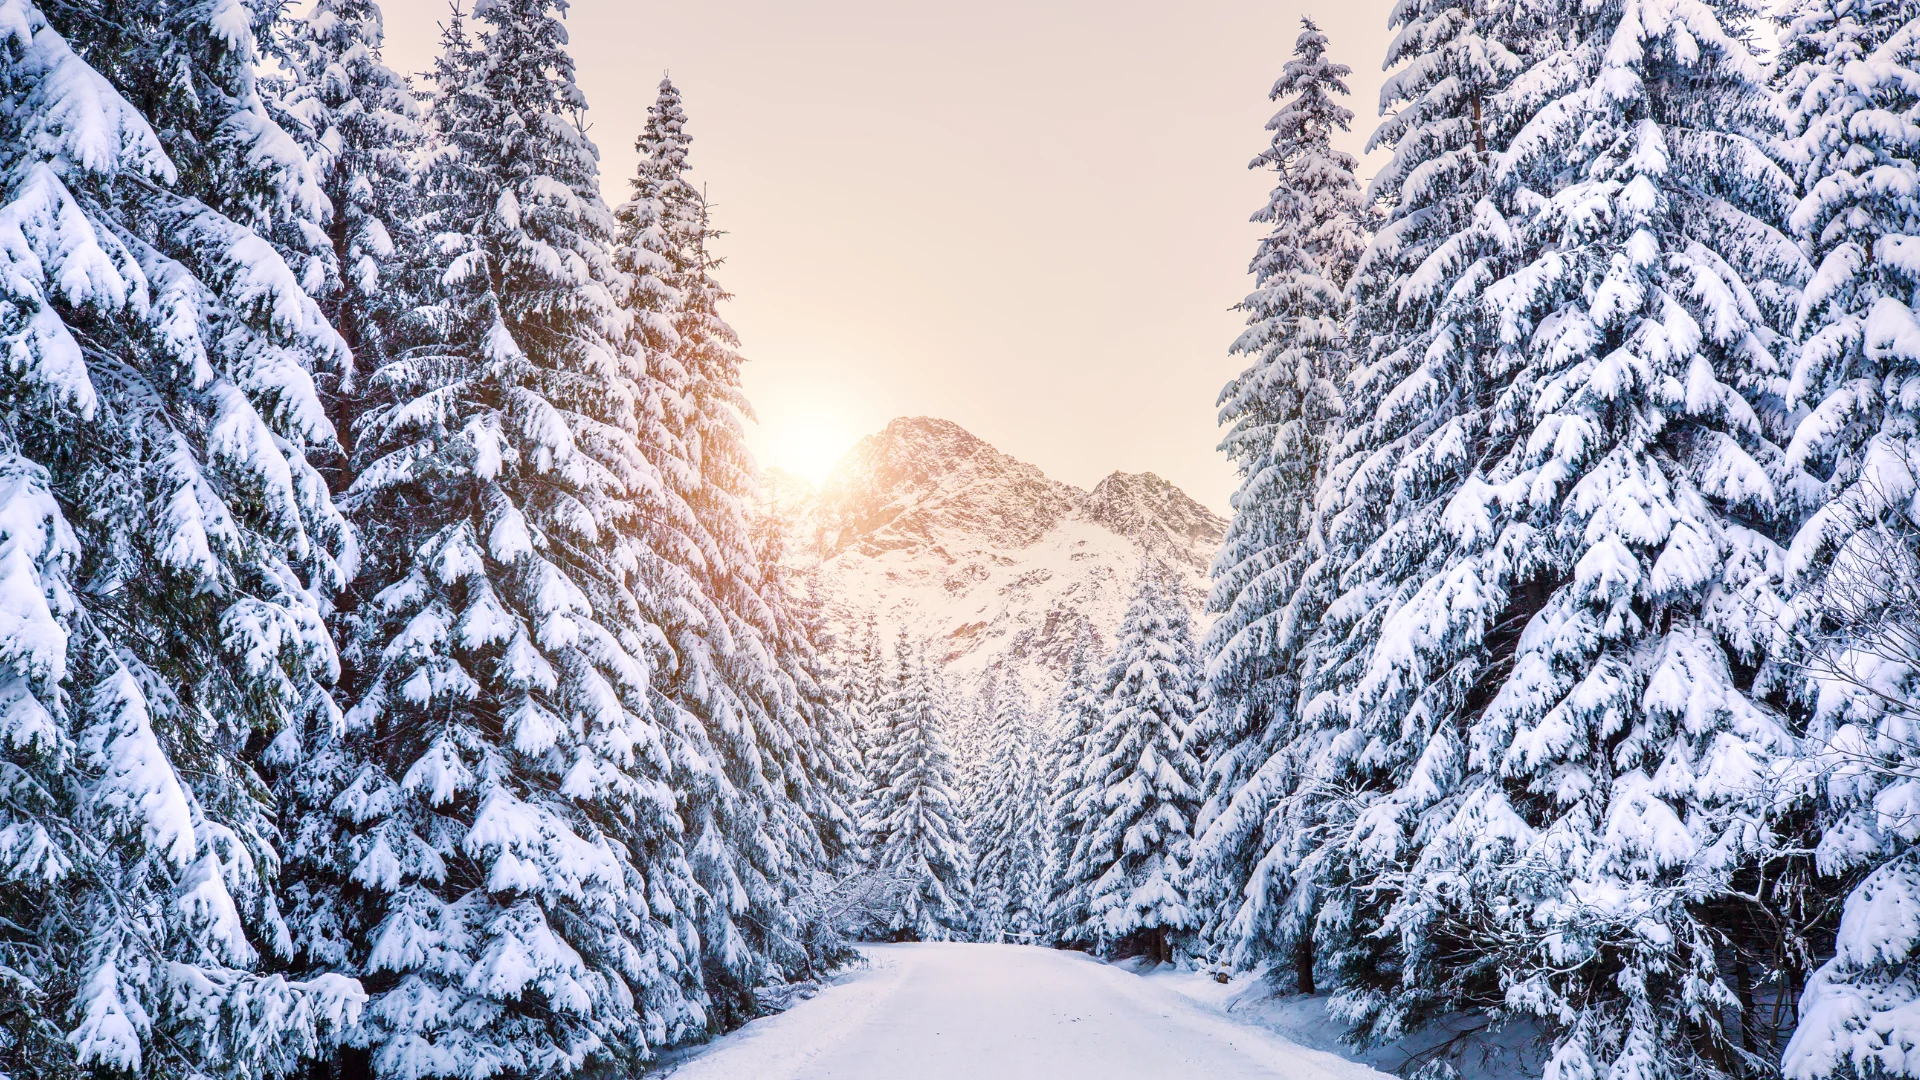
(922, 480)
(982, 556)
(925, 441)
(1167, 520)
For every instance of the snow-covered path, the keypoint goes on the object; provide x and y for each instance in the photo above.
(1003, 1012)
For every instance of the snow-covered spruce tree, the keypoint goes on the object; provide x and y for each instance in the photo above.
(1852, 84)
(969, 734)
(361, 126)
(755, 818)
(1271, 580)
(1416, 327)
(913, 818)
(863, 670)
(514, 837)
(1145, 779)
(1855, 1013)
(167, 551)
(870, 687)
(972, 738)
(825, 784)
(713, 425)
(1552, 648)
(1007, 848)
(1071, 798)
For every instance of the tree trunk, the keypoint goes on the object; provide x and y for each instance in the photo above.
(1303, 964)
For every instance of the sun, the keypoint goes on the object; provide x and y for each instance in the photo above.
(808, 445)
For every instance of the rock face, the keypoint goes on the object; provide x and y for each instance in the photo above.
(979, 554)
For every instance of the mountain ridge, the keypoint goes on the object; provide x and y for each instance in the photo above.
(982, 556)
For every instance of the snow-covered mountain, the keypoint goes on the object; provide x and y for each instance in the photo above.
(980, 554)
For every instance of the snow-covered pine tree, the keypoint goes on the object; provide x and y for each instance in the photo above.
(969, 733)
(1862, 649)
(665, 240)
(1851, 83)
(1078, 718)
(166, 638)
(825, 785)
(1146, 780)
(869, 683)
(518, 879)
(1551, 649)
(1271, 577)
(913, 818)
(681, 562)
(1418, 330)
(713, 426)
(1007, 848)
(971, 738)
(757, 816)
(361, 126)
(863, 688)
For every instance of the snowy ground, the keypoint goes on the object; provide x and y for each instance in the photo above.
(1005, 1012)
(1477, 1051)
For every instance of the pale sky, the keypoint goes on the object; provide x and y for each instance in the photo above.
(1025, 216)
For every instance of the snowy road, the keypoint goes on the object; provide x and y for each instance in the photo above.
(1003, 1012)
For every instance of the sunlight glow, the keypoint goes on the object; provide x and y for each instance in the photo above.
(807, 445)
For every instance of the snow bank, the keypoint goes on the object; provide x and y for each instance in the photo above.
(1480, 1053)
